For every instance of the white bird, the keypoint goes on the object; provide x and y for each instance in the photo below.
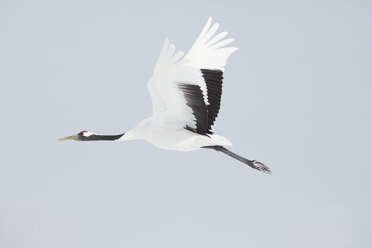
(186, 95)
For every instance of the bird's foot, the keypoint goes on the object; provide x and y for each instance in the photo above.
(261, 167)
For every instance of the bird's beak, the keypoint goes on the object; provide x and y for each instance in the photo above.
(72, 137)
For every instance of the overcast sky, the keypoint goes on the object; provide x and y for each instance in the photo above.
(297, 96)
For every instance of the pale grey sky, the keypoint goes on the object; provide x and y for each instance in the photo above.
(297, 95)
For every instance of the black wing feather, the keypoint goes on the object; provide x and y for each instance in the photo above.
(213, 80)
(195, 100)
(205, 115)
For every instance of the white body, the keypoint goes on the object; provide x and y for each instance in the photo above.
(171, 139)
(166, 128)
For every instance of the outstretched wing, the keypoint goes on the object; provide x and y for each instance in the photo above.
(186, 92)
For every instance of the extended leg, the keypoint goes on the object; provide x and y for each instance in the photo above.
(252, 163)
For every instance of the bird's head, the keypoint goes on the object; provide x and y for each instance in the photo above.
(82, 136)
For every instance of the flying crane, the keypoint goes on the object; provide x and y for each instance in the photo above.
(186, 97)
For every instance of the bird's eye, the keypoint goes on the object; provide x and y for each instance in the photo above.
(81, 133)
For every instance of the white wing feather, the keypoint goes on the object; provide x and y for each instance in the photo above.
(208, 51)
(169, 104)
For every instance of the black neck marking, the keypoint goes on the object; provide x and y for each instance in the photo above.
(94, 137)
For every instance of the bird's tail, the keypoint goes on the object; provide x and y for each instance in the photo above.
(252, 163)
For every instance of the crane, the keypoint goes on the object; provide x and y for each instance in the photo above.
(186, 97)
